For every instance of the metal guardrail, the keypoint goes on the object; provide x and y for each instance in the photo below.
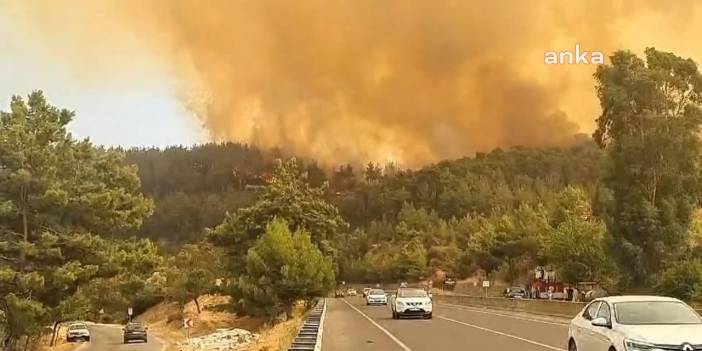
(309, 338)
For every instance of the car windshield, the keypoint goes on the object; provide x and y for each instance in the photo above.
(518, 290)
(135, 326)
(655, 312)
(77, 327)
(377, 292)
(412, 293)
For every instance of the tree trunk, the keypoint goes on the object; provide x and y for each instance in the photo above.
(54, 334)
(26, 343)
(25, 226)
(197, 304)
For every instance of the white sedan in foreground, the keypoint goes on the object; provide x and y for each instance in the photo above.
(636, 323)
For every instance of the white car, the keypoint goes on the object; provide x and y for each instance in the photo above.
(411, 302)
(77, 331)
(376, 296)
(351, 292)
(636, 323)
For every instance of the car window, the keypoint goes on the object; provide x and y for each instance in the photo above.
(591, 310)
(605, 312)
(412, 293)
(376, 292)
(655, 312)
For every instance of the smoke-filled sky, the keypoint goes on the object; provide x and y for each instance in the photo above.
(411, 81)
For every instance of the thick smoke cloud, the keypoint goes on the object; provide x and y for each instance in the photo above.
(412, 81)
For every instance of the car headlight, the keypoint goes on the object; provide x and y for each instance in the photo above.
(428, 303)
(400, 304)
(637, 345)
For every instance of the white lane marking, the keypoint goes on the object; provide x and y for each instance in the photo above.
(502, 315)
(396, 340)
(502, 334)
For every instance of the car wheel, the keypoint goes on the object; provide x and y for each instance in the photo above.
(572, 346)
(428, 316)
(87, 339)
(126, 341)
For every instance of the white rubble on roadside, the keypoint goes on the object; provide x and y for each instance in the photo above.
(221, 340)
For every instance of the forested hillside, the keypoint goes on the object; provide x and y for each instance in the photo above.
(83, 228)
(194, 187)
(427, 212)
(614, 199)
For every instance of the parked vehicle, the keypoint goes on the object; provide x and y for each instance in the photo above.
(449, 283)
(636, 323)
(78, 331)
(515, 293)
(351, 292)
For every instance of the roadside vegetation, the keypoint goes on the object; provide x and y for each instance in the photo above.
(86, 232)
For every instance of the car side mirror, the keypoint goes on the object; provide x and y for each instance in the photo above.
(600, 322)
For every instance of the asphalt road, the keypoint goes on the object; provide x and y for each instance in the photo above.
(109, 338)
(350, 325)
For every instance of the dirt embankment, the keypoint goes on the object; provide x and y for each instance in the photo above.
(42, 343)
(166, 321)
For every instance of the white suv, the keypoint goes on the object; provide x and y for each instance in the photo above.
(411, 302)
(636, 323)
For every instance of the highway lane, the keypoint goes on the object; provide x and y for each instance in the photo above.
(351, 325)
(109, 338)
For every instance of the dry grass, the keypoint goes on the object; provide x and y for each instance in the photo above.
(166, 319)
(281, 335)
(278, 337)
(63, 347)
(41, 343)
